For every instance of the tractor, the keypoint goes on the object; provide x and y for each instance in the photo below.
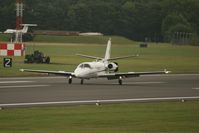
(37, 57)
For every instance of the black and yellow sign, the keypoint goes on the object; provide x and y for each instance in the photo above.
(7, 62)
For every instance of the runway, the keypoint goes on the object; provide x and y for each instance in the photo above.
(29, 91)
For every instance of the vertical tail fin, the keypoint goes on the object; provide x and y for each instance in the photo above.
(25, 29)
(108, 50)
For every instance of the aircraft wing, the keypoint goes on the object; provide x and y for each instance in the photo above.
(61, 73)
(131, 74)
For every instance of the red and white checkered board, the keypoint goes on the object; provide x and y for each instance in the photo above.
(12, 49)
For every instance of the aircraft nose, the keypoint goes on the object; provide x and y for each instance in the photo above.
(81, 73)
(78, 73)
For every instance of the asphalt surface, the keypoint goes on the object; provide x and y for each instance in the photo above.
(27, 91)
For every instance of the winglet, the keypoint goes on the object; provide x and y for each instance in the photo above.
(22, 70)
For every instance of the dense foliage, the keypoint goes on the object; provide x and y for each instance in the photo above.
(157, 20)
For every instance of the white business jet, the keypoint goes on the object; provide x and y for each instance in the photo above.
(23, 31)
(100, 68)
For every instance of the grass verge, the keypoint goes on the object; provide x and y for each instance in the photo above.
(167, 117)
(72, 39)
(81, 39)
(178, 59)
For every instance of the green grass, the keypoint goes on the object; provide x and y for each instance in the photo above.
(82, 39)
(178, 59)
(167, 117)
(4, 37)
(72, 39)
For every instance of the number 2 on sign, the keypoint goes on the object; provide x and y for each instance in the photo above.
(7, 62)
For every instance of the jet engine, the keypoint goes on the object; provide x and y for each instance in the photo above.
(113, 66)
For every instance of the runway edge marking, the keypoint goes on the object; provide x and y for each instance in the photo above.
(98, 101)
(195, 88)
(23, 86)
(14, 82)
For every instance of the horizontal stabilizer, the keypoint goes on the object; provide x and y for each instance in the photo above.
(28, 25)
(88, 56)
(122, 57)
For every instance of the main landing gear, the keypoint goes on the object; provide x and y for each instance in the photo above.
(82, 81)
(70, 80)
(120, 80)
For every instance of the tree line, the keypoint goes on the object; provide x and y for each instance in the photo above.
(154, 20)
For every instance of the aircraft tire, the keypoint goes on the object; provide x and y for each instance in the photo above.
(70, 80)
(82, 81)
(120, 82)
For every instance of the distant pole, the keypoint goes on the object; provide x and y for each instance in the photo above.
(19, 17)
(19, 14)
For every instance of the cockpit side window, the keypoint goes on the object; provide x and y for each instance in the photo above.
(85, 66)
(81, 66)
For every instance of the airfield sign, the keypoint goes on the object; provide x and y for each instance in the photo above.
(7, 62)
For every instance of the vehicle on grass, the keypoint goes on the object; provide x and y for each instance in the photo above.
(100, 68)
(37, 57)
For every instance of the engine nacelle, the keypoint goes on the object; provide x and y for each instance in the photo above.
(113, 66)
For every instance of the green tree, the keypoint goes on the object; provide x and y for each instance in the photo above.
(174, 23)
(134, 19)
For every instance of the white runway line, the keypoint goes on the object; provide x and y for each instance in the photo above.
(24, 78)
(138, 83)
(145, 83)
(99, 101)
(13, 82)
(195, 88)
(24, 86)
(170, 75)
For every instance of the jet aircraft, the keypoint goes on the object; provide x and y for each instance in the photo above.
(100, 68)
(23, 31)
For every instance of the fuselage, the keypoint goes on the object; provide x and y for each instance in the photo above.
(87, 70)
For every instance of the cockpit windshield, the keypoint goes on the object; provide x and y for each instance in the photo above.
(85, 66)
